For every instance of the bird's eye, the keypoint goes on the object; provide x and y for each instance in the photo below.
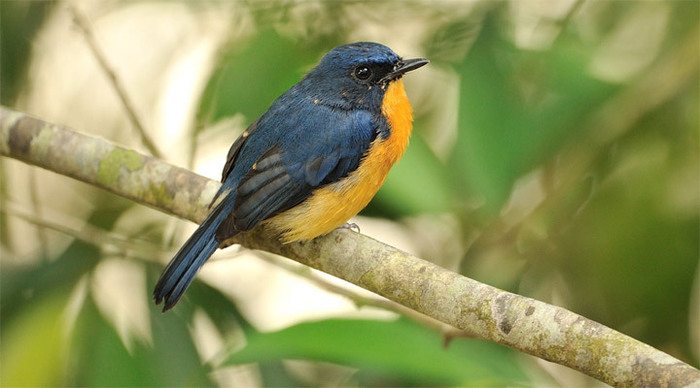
(363, 73)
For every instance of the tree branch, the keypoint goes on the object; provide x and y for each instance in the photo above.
(549, 332)
(82, 22)
(448, 332)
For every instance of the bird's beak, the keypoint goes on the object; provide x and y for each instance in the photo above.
(404, 66)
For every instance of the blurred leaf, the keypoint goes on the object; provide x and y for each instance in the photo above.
(626, 245)
(418, 183)
(100, 358)
(18, 286)
(228, 319)
(251, 77)
(220, 309)
(517, 108)
(399, 349)
(567, 96)
(323, 21)
(32, 352)
(685, 18)
(628, 260)
(23, 286)
(491, 125)
(451, 41)
(274, 374)
(95, 344)
(19, 22)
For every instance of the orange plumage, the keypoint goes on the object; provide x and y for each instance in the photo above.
(331, 206)
(311, 162)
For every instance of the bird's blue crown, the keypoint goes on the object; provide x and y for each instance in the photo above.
(360, 52)
(334, 80)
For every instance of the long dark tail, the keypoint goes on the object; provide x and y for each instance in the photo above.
(182, 268)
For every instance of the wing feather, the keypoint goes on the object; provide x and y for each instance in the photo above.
(288, 172)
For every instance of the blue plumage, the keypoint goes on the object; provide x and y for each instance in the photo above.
(314, 134)
(191, 256)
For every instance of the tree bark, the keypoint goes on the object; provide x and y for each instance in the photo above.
(546, 331)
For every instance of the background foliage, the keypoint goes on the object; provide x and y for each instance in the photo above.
(555, 155)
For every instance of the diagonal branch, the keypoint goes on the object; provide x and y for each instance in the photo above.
(546, 331)
(448, 332)
(82, 22)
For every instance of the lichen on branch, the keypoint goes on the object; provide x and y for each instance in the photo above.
(543, 330)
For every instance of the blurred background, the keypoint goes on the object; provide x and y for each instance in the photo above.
(555, 155)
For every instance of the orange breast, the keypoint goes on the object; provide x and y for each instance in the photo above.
(331, 206)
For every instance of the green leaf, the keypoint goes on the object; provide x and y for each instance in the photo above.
(98, 355)
(400, 349)
(517, 108)
(19, 23)
(274, 374)
(101, 359)
(219, 308)
(32, 352)
(491, 125)
(253, 75)
(23, 286)
(418, 183)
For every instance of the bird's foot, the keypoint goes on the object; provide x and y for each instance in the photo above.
(352, 226)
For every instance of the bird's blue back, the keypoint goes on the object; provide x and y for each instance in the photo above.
(315, 134)
(303, 126)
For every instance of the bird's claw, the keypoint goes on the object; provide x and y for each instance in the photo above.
(352, 226)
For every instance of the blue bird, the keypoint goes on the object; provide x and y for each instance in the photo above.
(311, 162)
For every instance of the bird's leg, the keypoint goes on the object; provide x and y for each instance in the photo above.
(352, 226)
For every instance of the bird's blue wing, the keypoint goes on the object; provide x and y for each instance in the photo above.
(300, 161)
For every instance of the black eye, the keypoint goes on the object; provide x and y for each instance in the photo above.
(363, 72)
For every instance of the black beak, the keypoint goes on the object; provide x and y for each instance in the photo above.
(404, 66)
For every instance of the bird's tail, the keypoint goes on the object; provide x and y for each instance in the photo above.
(182, 268)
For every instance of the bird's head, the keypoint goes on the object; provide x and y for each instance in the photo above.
(356, 75)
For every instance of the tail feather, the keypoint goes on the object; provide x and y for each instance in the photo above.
(181, 270)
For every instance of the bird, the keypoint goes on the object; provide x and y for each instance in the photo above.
(312, 161)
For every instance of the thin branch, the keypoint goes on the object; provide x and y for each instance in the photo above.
(84, 25)
(34, 199)
(127, 247)
(563, 23)
(548, 332)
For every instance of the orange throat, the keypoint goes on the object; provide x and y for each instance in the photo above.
(332, 205)
(398, 112)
